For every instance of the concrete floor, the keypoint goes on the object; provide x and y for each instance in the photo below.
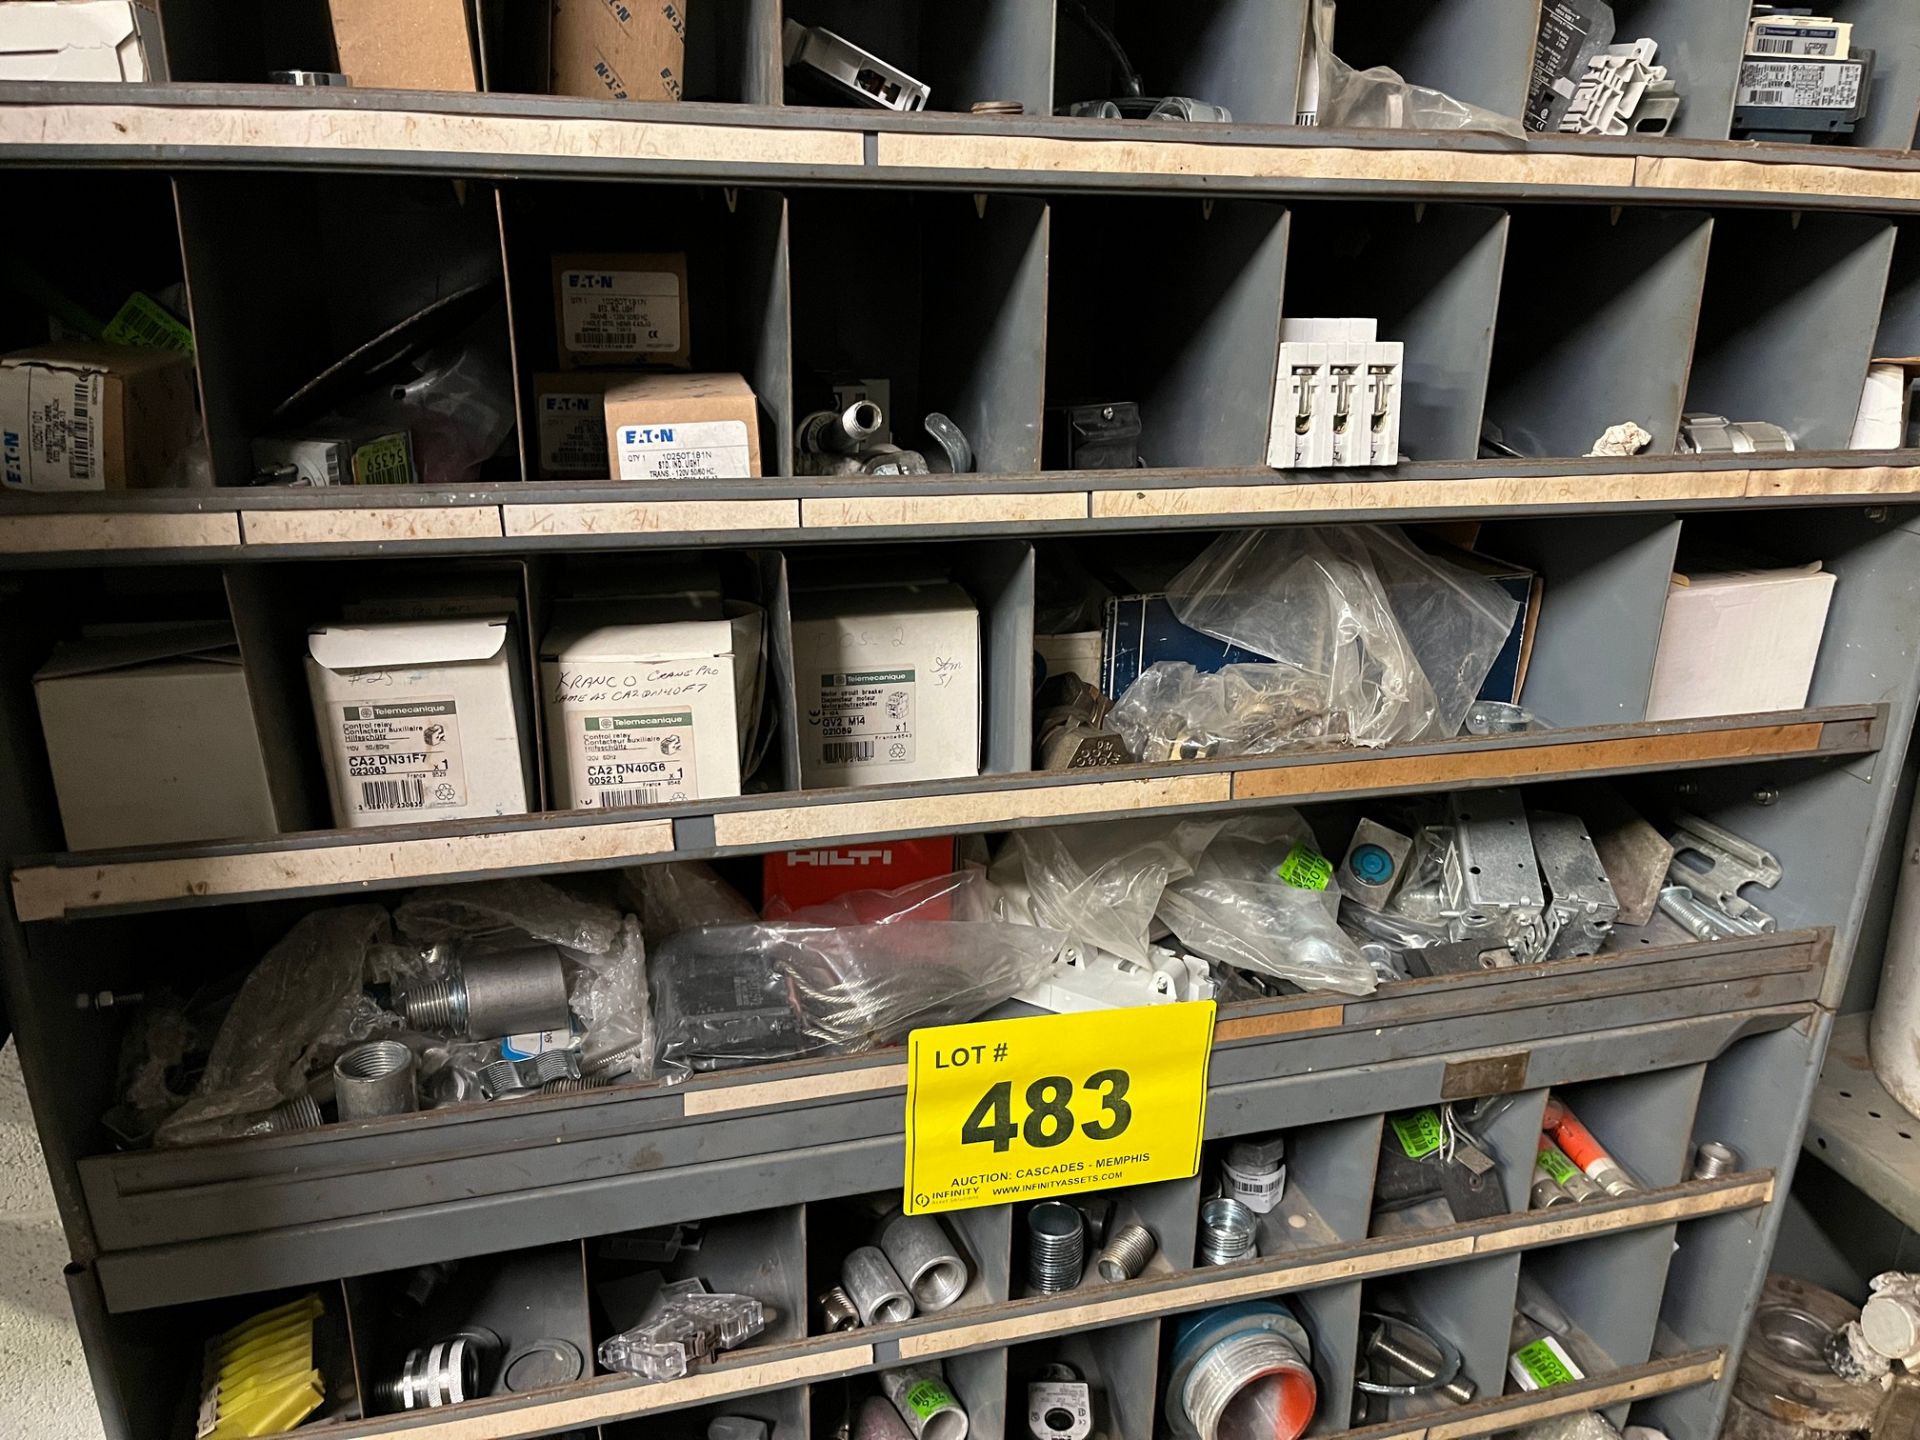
(44, 1390)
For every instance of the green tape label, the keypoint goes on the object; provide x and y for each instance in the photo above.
(1544, 1363)
(1419, 1131)
(147, 324)
(1557, 1165)
(1305, 868)
(929, 1397)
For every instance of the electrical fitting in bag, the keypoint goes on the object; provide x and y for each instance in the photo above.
(1370, 639)
(826, 981)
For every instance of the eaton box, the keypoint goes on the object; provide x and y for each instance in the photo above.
(621, 310)
(683, 427)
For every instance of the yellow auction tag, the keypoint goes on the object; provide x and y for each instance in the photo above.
(1005, 1110)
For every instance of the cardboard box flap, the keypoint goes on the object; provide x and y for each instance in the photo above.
(69, 41)
(1720, 579)
(84, 357)
(653, 640)
(94, 654)
(407, 643)
(914, 599)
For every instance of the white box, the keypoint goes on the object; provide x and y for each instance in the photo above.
(76, 40)
(421, 719)
(644, 709)
(889, 684)
(1075, 653)
(152, 739)
(1739, 642)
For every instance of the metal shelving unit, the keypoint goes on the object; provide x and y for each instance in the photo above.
(1555, 285)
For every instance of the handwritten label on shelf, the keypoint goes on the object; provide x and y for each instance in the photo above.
(1007, 1110)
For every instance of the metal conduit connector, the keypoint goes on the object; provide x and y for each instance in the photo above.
(446, 1372)
(300, 1113)
(921, 1395)
(505, 993)
(878, 1295)
(837, 1310)
(1248, 1357)
(839, 432)
(1228, 1231)
(1127, 1254)
(921, 1254)
(1056, 1247)
(375, 1079)
(1712, 1160)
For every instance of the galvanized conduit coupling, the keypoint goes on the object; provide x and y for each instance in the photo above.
(1243, 1369)
(922, 1255)
(489, 995)
(377, 1078)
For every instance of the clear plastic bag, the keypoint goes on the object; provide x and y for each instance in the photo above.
(678, 895)
(1097, 884)
(1389, 643)
(1379, 99)
(1174, 712)
(818, 983)
(1236, 909)
(295, 1012)
(603, 950)
(457, 403)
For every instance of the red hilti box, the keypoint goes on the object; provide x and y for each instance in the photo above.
(795, 879)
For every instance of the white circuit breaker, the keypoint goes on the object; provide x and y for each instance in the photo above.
(1336, 396)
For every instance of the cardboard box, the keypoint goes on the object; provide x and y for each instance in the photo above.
(794, 879)
(621, 310)
(80, 415)
(405, 44)
(683, 427)
(421, 719)
(643, 709)
(619, 49)
(889, 684)
(341, 452)
(80, 40)
(152, 739)
(1738, 642)
(570, 425)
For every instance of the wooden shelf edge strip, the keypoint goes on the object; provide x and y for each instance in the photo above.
(984, 507)
(854, 818)
(725, 1099)
(49, 892)
(185, 129)
(1578, 1227)
(1746, 742)
(59, 533)
(648, 517)
(1514, 1411)
(360, 525)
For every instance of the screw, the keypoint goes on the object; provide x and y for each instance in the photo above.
(1765, 797)
(1877, 514)
(107, 999)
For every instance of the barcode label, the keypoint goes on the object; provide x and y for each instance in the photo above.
(630, 797)
(392, 794)
(1773, 45)
(400, 755)
(845, 752)
(80, 457)
(1800, 84)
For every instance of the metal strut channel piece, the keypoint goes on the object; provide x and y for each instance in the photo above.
(1732, 863)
